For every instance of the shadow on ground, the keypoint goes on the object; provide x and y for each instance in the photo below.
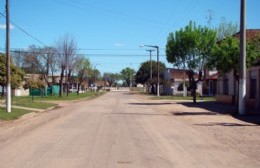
(140, 114)
(225, 124)
(149, 104)
(216, 108)
(193, 113)
(212, 106)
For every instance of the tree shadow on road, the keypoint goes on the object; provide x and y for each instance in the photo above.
(225, 124)
(215, 108)
(193, 113)
(149, 104)
(140, 114)
(212, 106)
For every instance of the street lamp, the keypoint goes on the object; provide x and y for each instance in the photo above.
(158, 83)
(151, 66)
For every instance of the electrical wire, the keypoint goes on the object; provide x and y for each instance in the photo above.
(24, 31)
(84, 6)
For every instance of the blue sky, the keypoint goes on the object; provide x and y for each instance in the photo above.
(111, 31)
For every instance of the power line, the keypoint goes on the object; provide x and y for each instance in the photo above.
(24, 31)
(86, 6)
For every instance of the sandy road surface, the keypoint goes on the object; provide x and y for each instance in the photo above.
(119, 130)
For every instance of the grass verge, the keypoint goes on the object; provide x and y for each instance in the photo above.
(49, 101)
(16, 113)
(39, 102)
(163, 97)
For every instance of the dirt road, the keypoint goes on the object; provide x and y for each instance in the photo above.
(124, 130)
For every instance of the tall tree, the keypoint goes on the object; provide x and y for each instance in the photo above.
(66, 56)
(82, 68)
(111, 78)
(143, 74)
(253, 49)
(226, 29)
(16, 74)
(32, 60)
(225, 57)
(128, 75)
(50, 62)
(189, 49)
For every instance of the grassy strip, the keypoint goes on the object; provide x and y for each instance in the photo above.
(16, 113)
(71, 96)
(46, 102)
(163, 97)
(28, 102)
(39, 102)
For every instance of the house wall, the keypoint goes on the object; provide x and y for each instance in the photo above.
(226, 90)
(253, 74)
(177, 76)
(253, 102)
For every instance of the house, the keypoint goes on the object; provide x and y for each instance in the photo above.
(210, 83)
(227, 85)
(227, 88)
(176, 78)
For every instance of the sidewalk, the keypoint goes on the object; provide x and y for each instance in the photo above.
(24, 108)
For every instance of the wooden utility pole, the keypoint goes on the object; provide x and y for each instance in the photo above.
(8, 71)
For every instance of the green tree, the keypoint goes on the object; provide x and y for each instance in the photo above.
(94, 75)
(111, 78)
(253, 49)
(225, 57)
(82, 68)
(189, 49)
(143, 73)
(226, 29)
(128, 76)
(16, 74)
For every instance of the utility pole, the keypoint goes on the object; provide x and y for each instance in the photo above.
(242, 69)
(8, 71)
(130, 77)
(158, 76)
(151, 65)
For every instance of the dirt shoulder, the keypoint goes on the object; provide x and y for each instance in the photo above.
(217, 120)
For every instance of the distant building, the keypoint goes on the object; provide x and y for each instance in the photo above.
(210, 83)
(176, 77)
(227, 88)
(227, 85)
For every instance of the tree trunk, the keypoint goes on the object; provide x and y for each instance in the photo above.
(78, 88)
(52, 77)
(194, 92)
(68, 82)
(61, 82)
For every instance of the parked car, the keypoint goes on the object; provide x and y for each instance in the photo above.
(73, 90)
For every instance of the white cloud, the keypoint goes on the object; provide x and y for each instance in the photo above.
(3, 26)
(119, 44)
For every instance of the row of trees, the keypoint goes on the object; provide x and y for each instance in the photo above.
(48, 61)
(60, 59)
(196, 48)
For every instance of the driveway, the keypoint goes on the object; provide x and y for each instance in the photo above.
(121, 129)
